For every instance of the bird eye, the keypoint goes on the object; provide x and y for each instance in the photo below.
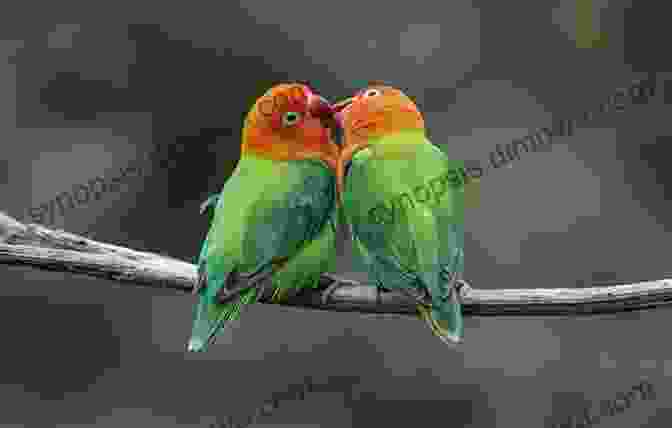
(290, 118)
(372, 93)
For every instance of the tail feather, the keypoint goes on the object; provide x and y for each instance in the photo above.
(446, 321)
(449, 320)
(210, 317)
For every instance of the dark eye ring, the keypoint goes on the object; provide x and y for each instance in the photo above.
(372, 93)
(291, 118)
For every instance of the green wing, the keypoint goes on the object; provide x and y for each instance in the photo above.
(406, 214)
(316, 257)
(267, 211)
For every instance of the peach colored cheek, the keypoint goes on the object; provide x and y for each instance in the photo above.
(350, 113)
(274, 121)
(318, 141)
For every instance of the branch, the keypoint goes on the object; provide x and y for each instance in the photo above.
(42, 248)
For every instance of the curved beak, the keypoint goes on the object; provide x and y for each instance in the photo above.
(319, 107)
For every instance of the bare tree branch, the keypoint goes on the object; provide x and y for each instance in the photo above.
(42, 248)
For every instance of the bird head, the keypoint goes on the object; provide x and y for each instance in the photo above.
(372, 113)
(290, 122)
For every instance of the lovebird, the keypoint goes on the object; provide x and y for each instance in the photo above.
(274, 219)
(404, 201)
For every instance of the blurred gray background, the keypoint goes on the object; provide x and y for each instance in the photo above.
(90, 88)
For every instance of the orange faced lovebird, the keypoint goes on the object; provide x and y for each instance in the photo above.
(274, 218)
(404, 201)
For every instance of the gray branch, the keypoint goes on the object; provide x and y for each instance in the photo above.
(42, 248)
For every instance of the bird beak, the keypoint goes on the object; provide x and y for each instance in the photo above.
(319, 107)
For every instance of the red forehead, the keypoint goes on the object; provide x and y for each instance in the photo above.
(280, 100)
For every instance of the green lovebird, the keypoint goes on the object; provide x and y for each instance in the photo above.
(274, 220)
(404, 200)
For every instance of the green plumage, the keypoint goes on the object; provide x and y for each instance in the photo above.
(268, 210)
(405, 201)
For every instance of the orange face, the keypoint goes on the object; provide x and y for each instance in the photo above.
(376, 111)
(373, 112)
(287, 124)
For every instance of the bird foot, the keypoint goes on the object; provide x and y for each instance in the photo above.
(279, 295)
(463, 288)
(239, 282)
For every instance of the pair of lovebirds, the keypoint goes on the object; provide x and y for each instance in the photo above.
(275, 220)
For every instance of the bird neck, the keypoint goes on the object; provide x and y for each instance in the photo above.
(398, 145)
